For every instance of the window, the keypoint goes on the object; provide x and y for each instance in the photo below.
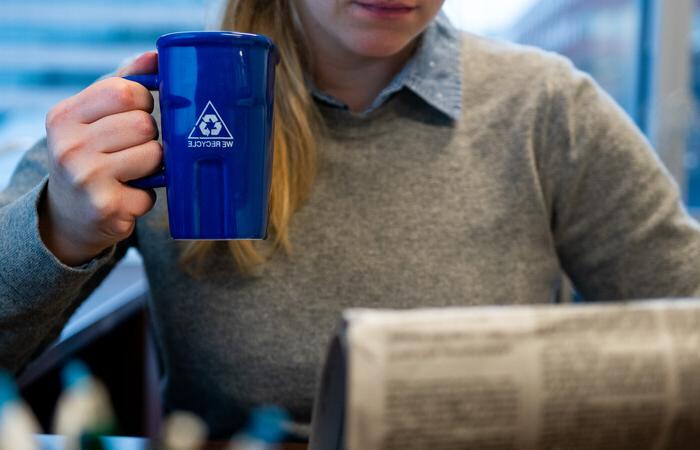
(635, 49)
(693, 156)
(50, 50)
(601, 38)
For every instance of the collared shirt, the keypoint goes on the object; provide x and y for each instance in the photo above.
(434, 72)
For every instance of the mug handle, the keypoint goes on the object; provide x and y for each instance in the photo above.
(155, 180)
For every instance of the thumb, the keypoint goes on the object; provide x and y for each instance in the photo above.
(142, 64)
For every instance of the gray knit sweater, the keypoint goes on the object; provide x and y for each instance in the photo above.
(536, 172)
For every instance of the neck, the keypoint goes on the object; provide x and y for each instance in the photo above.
(356, 80)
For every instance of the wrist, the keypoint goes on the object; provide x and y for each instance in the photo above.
(64, 246)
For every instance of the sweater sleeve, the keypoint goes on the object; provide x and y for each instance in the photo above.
(619, 224)
(38, 293)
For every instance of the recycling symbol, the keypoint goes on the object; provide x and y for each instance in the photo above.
(210, 120)
(210, 125)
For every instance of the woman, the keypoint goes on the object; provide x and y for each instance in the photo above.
(414, 166)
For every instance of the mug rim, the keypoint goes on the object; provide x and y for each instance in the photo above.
(187, 38)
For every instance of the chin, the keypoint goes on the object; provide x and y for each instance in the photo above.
(381, 46)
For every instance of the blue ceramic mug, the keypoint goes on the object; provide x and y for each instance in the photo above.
(216, 102)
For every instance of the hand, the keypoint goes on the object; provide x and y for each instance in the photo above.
(99, 139)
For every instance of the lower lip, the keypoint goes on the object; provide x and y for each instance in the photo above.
(383, 13)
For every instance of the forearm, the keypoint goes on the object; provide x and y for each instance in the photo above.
(37, 291)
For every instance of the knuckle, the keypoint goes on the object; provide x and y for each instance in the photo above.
(144, 205)
(155, 151)
(122, 93)
(143, 124)
(104, 207)
(141, 210)
(86, 176)
(64, 152)
(56, 115)
(122, 227)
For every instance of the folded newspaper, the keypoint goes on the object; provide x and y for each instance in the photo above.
(599, 376)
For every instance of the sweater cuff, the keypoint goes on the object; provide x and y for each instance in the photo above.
(33, 269)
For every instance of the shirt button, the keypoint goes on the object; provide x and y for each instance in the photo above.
(431, 63)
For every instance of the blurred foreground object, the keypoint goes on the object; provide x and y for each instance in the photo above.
(265, 430)
(18, 426)
(184, 431)
(84, 410)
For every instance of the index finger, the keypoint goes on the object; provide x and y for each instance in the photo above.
(107, 97)
(144, 63)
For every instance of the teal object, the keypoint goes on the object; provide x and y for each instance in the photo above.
(216, 101)
(74, 374)
(8, 390)
(267, 424)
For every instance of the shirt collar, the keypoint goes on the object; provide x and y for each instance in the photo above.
(434, 72)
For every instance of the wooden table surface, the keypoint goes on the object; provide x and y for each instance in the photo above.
(49, 442)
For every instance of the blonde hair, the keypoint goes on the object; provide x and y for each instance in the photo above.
(295, 128)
